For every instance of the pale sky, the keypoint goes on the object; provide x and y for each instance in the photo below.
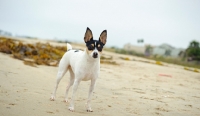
(176, 22)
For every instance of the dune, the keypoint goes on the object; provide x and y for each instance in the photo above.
(132, 88)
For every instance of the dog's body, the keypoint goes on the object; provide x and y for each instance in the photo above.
(82, 65)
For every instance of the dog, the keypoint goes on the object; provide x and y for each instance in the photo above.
(82, 65)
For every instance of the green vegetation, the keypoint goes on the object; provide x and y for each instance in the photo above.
(178, 61)
(192, 51)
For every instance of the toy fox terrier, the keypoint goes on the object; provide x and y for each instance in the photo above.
(82, 65)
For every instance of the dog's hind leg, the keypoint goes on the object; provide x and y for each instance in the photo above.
(71, 82)
(60, 74)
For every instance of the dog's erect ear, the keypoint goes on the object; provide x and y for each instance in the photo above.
(88, 35)
(103, 37)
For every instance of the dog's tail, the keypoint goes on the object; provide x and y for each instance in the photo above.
(69, 47)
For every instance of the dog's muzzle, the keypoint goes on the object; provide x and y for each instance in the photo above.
(95, 55)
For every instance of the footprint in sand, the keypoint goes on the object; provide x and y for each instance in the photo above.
(157, 113)
(195, 96)
(141, 92)
(189, 106)
(12, 104)
(49, 112)
(161, 109)
(180, 98)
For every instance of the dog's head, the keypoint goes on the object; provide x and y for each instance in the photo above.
(95, 47)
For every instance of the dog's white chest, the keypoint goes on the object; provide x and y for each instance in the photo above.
(83, 68)
(87, 71)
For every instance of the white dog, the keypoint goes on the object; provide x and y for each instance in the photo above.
(82, 65)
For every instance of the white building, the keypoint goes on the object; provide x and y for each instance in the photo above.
(162, 50)
(167, 50)
(138, 49)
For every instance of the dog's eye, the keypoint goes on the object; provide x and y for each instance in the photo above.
(99, 48)
(90, 47)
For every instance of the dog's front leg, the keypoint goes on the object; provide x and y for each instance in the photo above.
(91, 89)
(75, 86)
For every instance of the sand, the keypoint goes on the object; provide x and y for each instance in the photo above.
(132, 88)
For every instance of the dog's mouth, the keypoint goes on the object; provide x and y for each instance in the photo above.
(95, 56)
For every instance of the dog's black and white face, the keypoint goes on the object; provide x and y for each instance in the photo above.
(95, 47)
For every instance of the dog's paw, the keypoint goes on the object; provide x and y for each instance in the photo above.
(52, 98)
(71, 109)
(89, 110)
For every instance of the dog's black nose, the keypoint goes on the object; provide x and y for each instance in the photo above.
(95, 55)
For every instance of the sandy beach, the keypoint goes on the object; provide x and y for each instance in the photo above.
(131, 88)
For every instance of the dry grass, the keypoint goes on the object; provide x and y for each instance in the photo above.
(32, 54)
